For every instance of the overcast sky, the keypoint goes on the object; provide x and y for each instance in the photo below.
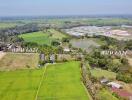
(64, 7)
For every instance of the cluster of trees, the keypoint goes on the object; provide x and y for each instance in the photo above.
(55, 43)
(6, 33)
(65, 40)
(126, 77)
(116, 64)
(114, 44)
(113, 63)
(29, 44)
(96, 22)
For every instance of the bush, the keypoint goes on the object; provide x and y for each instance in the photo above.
(124, 77)
(55, 43)
(42, 63)
(65, 40)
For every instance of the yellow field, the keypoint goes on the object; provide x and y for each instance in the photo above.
(13, 61)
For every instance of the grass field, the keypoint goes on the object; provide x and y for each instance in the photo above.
(13, 61)
(56, 34)
(98, 73)
(42, 37)
(56, 82)
(37, 37)
(62, 82)
(19, 85)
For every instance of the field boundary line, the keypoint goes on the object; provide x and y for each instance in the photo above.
(40, 82)
(86, 91)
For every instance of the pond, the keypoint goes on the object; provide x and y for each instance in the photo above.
(84, 44)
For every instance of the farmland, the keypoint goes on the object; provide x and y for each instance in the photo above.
(37, 37)
(59, 81)
(98, 73)
(42, 37)
(56, 34)
(70, 64)
(7, 25)
(62, 82)
(19, 85)
(13, 61)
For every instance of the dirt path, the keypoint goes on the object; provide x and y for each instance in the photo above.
(2, 54)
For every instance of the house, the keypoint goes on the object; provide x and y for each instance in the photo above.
(114, 85)
(66, 50)
(42, 57)
(52, 58)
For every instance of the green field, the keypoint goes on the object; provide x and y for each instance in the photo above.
(37, 37)
(56, 34)
(42, 37)
(98, 73)
(54, 82)
(19, 85)
(62, 82)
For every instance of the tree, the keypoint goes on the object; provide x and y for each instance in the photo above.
(65, 40)
(124, 61)
(55, 43)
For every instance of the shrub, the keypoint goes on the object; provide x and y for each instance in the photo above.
(124, 77)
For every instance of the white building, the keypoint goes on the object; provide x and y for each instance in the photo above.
(114, 85)
(66, 50)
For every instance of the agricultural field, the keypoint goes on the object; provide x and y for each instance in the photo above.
(13, 61)
(42, 37)
(98, 73)
(7, 25)
(55, 82)
(19, 85)
(63, 82)
(37, 37)
(56, 34)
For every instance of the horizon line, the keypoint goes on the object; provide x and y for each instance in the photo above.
(77, 15)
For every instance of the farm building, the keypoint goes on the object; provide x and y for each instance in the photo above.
(52, 58)
(66, 50)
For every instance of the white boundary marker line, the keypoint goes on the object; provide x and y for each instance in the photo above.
(40, 82)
